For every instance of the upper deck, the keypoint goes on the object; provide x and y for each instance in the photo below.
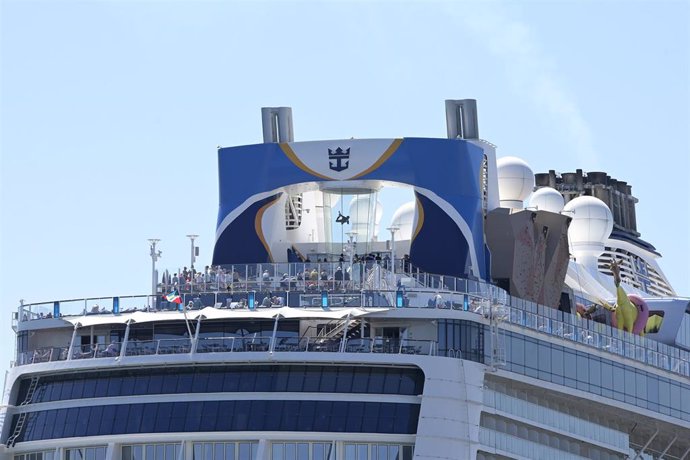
(332, 313)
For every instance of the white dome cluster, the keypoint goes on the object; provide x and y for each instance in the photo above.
(515, 181)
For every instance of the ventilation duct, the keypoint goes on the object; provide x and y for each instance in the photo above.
(277, 124)
(461, 119)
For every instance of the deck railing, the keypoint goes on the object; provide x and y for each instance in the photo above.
(414, 289)
(208, 345)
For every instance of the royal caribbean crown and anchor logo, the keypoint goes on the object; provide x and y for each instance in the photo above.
(339, 160)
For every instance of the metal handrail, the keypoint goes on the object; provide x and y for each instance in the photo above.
(455, 293)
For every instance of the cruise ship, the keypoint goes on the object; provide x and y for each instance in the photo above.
(504, 314)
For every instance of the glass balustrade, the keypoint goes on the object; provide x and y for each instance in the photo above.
(364, 284)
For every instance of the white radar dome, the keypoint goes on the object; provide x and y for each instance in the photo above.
(403, 218)
(547, 199)
(515, 181)
(590, 228)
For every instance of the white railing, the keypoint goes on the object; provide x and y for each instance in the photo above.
(286, 285)
(222, 344)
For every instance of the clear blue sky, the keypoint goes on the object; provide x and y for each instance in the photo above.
(112, 111)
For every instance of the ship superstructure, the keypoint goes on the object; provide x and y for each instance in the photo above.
(477, 330)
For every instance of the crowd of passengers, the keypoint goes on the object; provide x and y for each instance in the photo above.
(218, 278)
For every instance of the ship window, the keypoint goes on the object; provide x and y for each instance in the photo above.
(168, 451)
(85, 453)
(43, 455)
(254, 415)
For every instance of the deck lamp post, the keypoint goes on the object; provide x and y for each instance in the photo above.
(194, 251)
(393, 229)
(155, 255)
(351, 235)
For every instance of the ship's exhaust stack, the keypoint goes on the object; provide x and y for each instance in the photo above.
(461, 119)
(277, 124)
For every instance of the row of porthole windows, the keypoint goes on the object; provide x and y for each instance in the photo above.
(243, 415)
(246, 450)
(330, 379)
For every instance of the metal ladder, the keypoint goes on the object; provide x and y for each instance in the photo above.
(12, 440)
(498, 347)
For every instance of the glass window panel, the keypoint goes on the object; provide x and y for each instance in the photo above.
(208, 451)
(89, 388)
(290, 451)
(318, 451)
(322, 415)
(121, 418)
(170, 452)
(685, 400)
(141, 385)
(296, 380)
(71, 422)
(544, 361)
(517, 350)
(240, 418)
(184, 383)
(675, 396)
(393, 452)
(350, 452)
(215, 382)
(200, 382)
(641, 387)
(360, 382)
(179, 417)
(229, 451)
(363, 452)
(307, 411)
(210, 414)
(245, 451)
(595, 374)
(101, 387)
(329, 377)
(618, 379)
(150, 452)
(77, 389)
(198, 451)
(114, 386)
(664, 392)
(407, 453)
(531, 354)
(169, 383)
(264, 380)
(137, 452)
(377, 380)
(278, 451)
(630, 382)
(100, 453)
(66, 392)
(302, 451)
(257, 415)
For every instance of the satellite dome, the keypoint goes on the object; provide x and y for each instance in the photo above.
(547, 199)
(515, 181)
(590, 228)
(403, 218)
